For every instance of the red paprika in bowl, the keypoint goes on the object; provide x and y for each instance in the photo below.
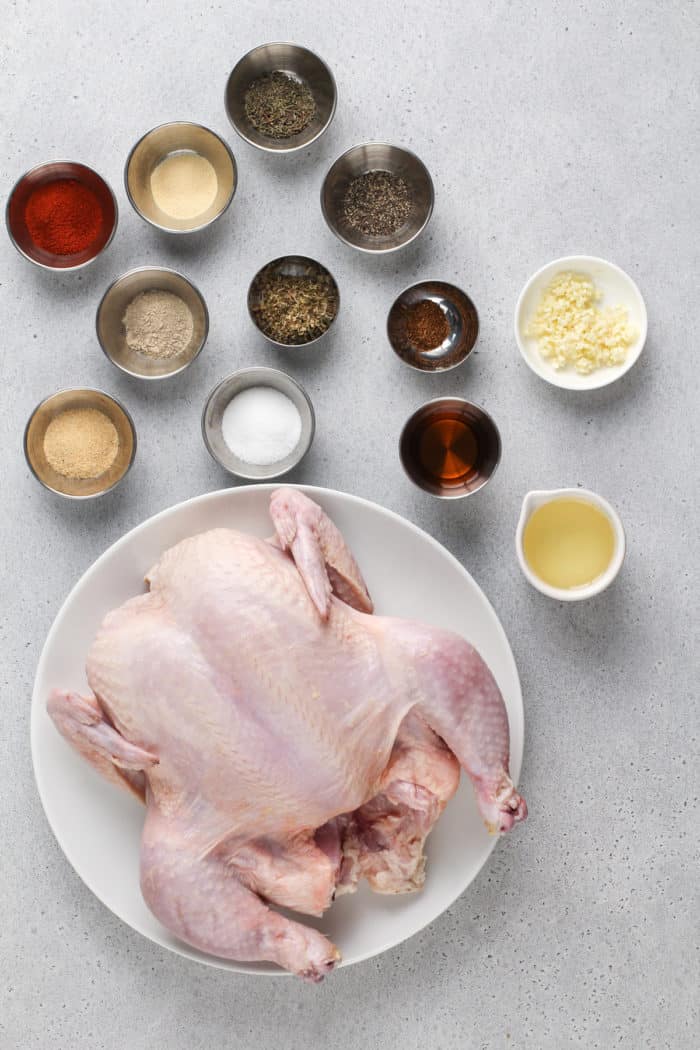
(61, 216)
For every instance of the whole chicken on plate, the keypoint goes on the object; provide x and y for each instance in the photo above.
(286, 742)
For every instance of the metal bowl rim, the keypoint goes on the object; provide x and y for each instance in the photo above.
(189, 124)
(73, 390)
(154, 269)
(403, 244)
(45, 266)
(240, 372)
(291, 346)
(463, 401)
(301, 145)
(447, 368)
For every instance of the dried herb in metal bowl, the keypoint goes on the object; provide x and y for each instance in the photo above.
(293, 306)
(377, 203)
(278, 106)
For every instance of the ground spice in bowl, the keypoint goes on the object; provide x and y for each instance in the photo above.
(376, 203)
(81, 443)
(184, 185)
(425, 325)
(63, 217)
(158, 324)
(278, 105)
(293, 308)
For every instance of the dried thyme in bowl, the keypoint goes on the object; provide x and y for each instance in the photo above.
(293, 308)
(278, 106)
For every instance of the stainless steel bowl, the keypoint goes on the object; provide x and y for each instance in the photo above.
(377, 156)
(161, 142)
(110, 326)
(41, 175)
(289, 266)
(461, 316)
(219, 398)
(298, 63)
(79, 488)
(420, 441)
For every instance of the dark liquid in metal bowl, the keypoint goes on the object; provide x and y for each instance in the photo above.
(450, 448)
(447, 450)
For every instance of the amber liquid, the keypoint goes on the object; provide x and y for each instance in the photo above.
(446, 450)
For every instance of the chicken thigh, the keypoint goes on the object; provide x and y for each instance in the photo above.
(286, 741)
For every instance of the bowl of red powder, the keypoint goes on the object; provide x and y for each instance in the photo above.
(61, 215)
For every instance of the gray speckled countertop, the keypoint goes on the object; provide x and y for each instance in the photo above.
(549, 129)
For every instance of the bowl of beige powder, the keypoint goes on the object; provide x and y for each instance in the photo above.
(80, 443)
(152, 322)
(180, 177)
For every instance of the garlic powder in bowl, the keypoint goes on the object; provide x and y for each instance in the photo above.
(580, 322)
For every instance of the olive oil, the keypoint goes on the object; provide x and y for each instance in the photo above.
(568, 542)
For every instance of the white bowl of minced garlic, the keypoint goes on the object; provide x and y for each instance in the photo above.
(580, 322)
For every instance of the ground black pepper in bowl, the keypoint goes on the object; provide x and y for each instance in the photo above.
(377, 203)
(278, 105)
(293, 300)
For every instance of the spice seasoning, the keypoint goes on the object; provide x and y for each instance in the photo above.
(158, 323)
(184, 185)
(425, 325)
(81, 443)
(261, 425)
(278, 105)
(377, 203)
(294, 309)
(63, 217)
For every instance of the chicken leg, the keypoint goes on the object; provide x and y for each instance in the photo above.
(200, 899)
(460, 700)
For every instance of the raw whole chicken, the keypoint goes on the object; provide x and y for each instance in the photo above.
(286, 742)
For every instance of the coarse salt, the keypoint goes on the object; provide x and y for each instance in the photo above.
(261, 425)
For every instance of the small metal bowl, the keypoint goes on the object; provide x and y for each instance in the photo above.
(41, 176)
(377, 156)
(110, 326)
(461, 316)
(289, 266)
(420, 438)
(219, 398)
(161, 142)
(79, 488)
(298, 63)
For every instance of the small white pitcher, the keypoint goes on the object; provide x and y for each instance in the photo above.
(536, 499)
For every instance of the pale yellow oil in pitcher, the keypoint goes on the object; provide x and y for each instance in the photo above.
(568, 542)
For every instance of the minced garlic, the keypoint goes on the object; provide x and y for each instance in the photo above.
(571, 330)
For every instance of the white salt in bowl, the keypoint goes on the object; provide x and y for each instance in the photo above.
(618, 289)
(222, 395)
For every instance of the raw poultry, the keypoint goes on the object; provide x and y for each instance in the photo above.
(286, 741)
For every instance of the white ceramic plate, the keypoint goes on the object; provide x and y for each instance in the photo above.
(618, 289)
(409, 574)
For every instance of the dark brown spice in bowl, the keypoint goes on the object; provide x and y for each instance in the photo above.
(425, 325)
